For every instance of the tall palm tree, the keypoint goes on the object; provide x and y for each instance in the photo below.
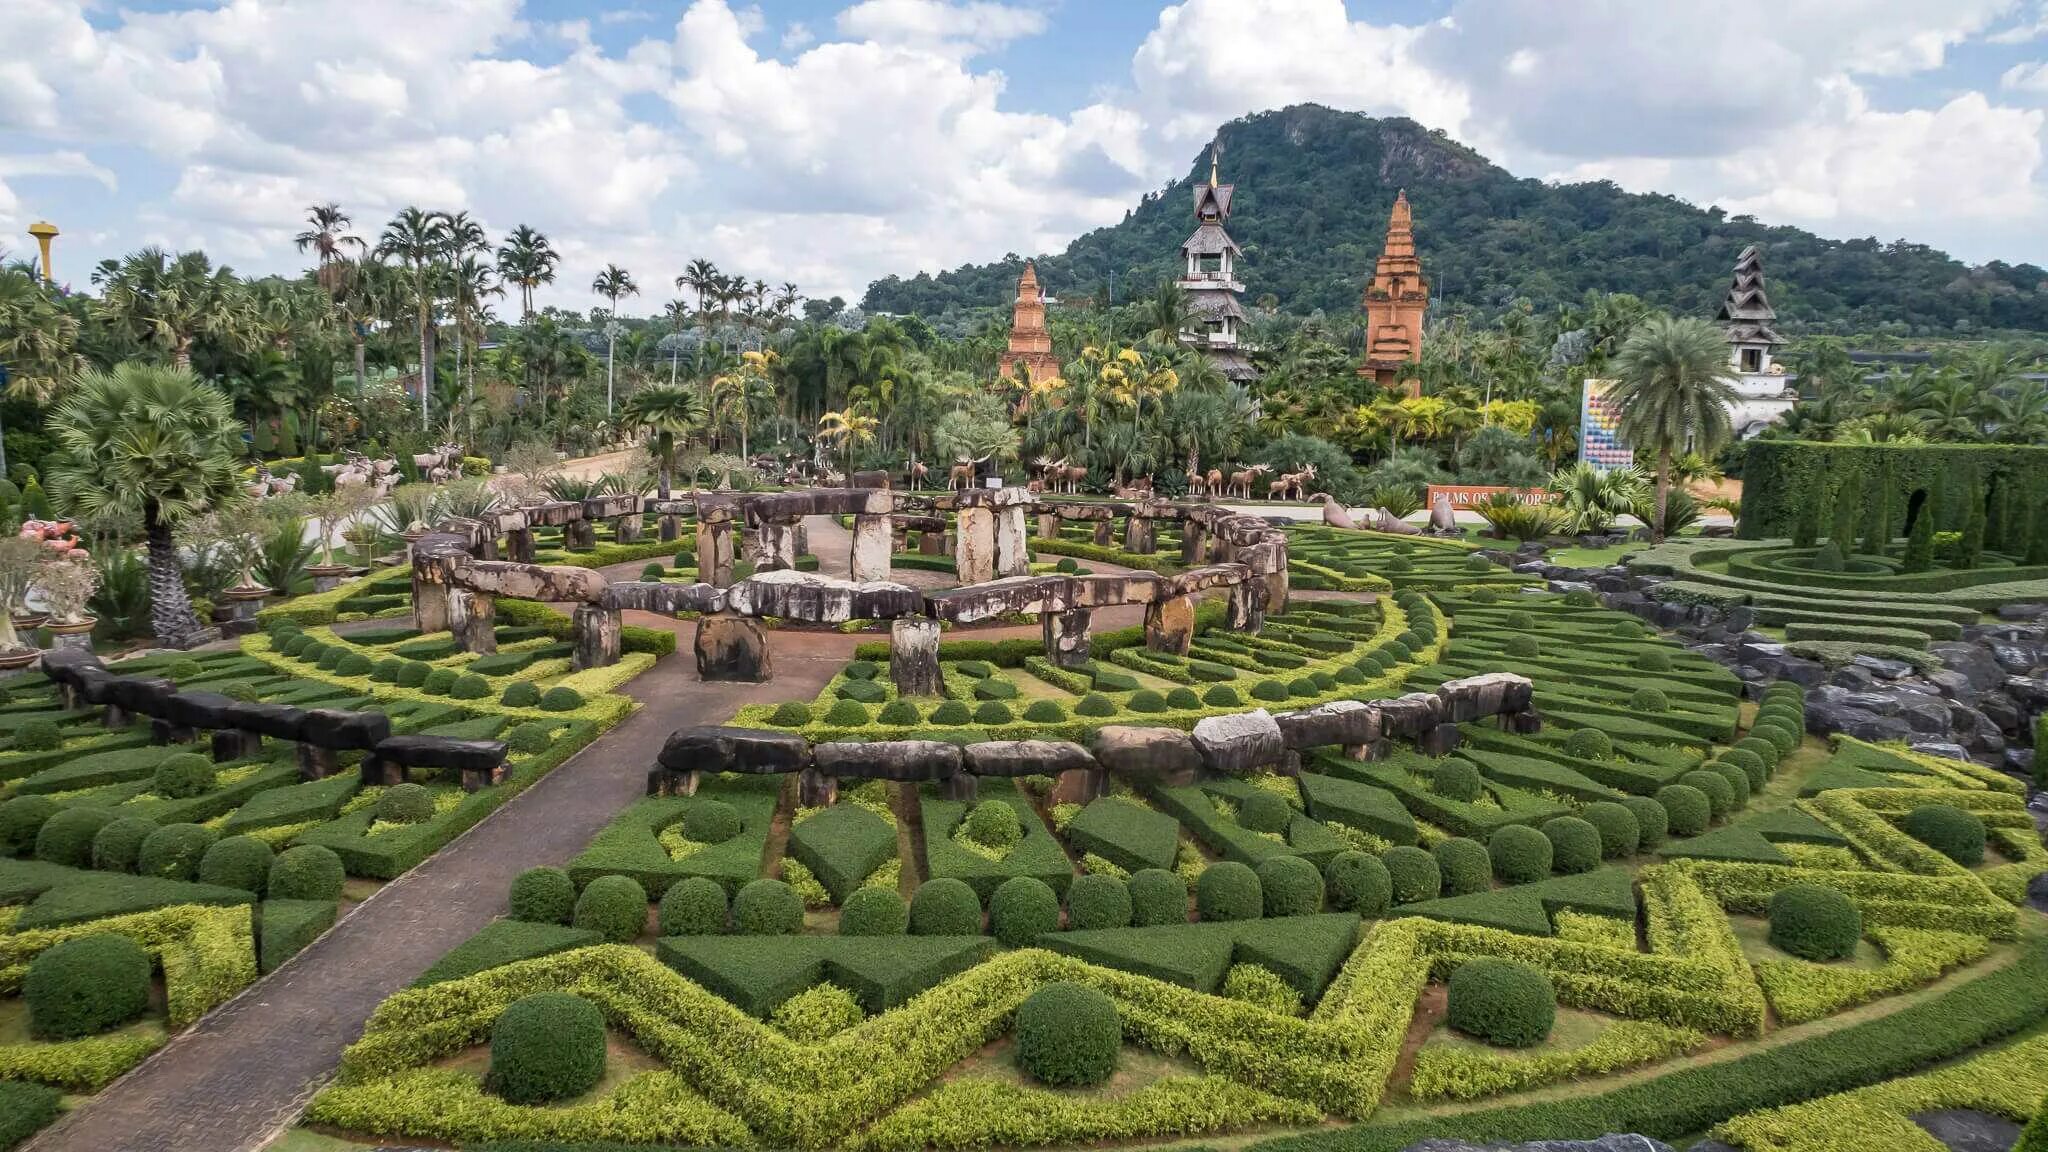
(469, 280)
(700, 276)
(1672, 391)
(678, 314)
(167, 303)
(38, 339)
(528, 260)
(328, 238)
(417, 239)
(157, 445)
(786, 299)
(1168, 313)
(611, 284)
(369, 292)
(670, 416)
(474, 281)
(847, 428)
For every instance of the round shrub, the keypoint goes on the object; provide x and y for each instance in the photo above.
(1524, 647)
(1399, 566)
(440, 682)
(1022, 909)
(1653, 660)
(1589, 744)
(1222, 696)
(848, 714)
(1781, 735)
(332, 656)
(1954, 833)
(1814, 923)
(413, 675)
(1574, 844)
(1413, 874)
(530, 739)
(359, 664)
(695, 906)
(993, 824)
(993, 712)
(174, 851)
(1620, 835)
(240, 690)
(117, 846)
(1183, 700)
(865, 691)
(547, 1047)
(817, 1013)
(521, 694)
(1763, 750)
(1686, 809)
(183, 776)
(66, 837)
(1068, 1035)
(1146, 700)
(21, 821)
(292, 644)
(1359, 883)
(1751, 766)
(945, 907)
(1270, 691)
(1349, 675)
(615, 907)
(1096, 901)
(768, 908)
(710, 822)
(954, 712)
(546, 896)
(37, 736)
(470, 686)
(788, 714)
(1520, 854)
(1158, 897)
(1465, 864)
(560, 699)
(1502, 1002)
(307, 872)
(1738, 782)
(405, 804)
(1290, 886)
(1229, 890)
(873, 912)
(1519, 621)
(900, 713)
(86, 985)
(1045, 712)
(237, 862)
(1720, 795)
(1456, 780)
(1093, 704)
(1580, 598)
(1649, 700)
(1652, 821)
(1303, 687)
(1067, 564)
(653, 571)
(1264, 811)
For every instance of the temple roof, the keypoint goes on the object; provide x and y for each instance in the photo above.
(1212, 304)
(1209, 239)
(1747, 311)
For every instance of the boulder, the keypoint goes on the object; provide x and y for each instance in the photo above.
(1163, 756)
(663, 599)
(1343, 723)
(917, 761)
(817, 599)
(142, 695)
(552, 583)
(730, 647)
(1026, 758)
(1239, 743)
(1488, 694)
(1410, 716)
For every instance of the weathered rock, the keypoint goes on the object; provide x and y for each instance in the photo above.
(279, 721)
(663, 599)
(598, 633)
(914, 657)
(722, 748)
(1969, 1130)
(1489, 694)
(1245, 609)
(911, 760)
(1012, 542)
(335, 729)
(1342, 723)
(1170, 625)
(732, 648)
(1408, 717)
(974, 554)
(1026, 758)
(714, 552)
(473, 618)
(553, 583)
(819, 599)
(873, 544)
(1239, 743)
(998, 598)
(1882, 668)
(1163, 756)
(207, 710)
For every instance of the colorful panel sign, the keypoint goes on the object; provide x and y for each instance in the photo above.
(1600, 442)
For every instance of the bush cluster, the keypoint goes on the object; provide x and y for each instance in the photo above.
(173, 851)
(1686, 808)
(67, 836)
(709, 821)
(1158, 897)
(1264, 811)
(1457, 780)
(117, 846)
(1465, 864)
(1949, 830)
(993, 824)
(1575, 844)
(182, 776)
(237, 862)
(405, 804)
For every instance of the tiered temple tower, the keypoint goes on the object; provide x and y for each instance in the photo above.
(1209, 274)
(1766, 391)
(1030, 342)
(1394, 307)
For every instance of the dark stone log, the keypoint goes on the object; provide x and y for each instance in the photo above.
(418, 751)
(1408, 717)
(342, 731)
(914, 658)
(231, 744)
(1163, 756)
(663, 599)
(1026, 758)
(722, 748)
(732, 647)
(597, 633)
(1343, 723)
(142, 695)
(918, 761)
(167, 732)
(277, 721)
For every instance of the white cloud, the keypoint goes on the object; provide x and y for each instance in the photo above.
(2026, 30)
(935, 25)
(2026, 77)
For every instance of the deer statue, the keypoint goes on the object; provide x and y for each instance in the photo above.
(1072, 475)
(1298, 481)
(915, 476)
(1193, 476)
(1212, 484)
(961, 474)
(1241, 482)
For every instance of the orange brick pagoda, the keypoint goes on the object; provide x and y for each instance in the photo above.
(1030, 342)
(1394, 306)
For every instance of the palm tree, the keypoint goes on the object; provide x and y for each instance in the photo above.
(370, 291)
(157, 445)
(847, 428)
(418, 238)
(671, 416)
(327, 236)
(1168, 313)
(528, 260)
(678, 314)
(611, 284)
(738, 396)
(469, 281)
(786, 299)
(1672, 390)
(2018, 416)
(167, 303)
(700, 276)
(37, 339)
(474, 280)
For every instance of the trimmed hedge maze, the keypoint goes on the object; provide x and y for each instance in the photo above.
(1348, 561)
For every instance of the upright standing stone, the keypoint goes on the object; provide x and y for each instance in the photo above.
(778, 547)
(473, 617)
(627, 529)
(1138, 534)
(732, 647)
(1170, 625)
(872, 542)
(1066, 636)
(672, 526)
(1013, 553)
(975, 555)
(914, 657)
(714, 553)
(579, 535)
(1245, 610)
(1103, 528)
(1194, 541)
(519, 545)
(1048, 526)
(597, 635)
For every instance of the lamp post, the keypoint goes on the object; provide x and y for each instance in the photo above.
(44, 232)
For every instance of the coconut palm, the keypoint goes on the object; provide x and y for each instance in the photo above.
(1672, 390)
(847, 428)
(611, 284)
(528, 260)
(156, 445)
(1168, 313)
(328, 238)
(417, 239)
(670, 416)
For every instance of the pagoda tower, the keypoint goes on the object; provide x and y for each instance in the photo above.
(1030, 342)
(1763, 389)
(1394, 306)
(1209, 276)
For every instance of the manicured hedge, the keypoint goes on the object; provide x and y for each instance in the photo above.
(506, 942)
(1784, 481)
(284, 927)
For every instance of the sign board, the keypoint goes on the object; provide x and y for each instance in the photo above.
(992, 482)
(1600, 442)
(1466, 495)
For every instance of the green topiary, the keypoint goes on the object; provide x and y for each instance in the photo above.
(1522, 647)
(405, 804)
(184, 669)
(1222, 696)
(817, 1013)
(1183, 700)
(1751, 766)
(1045, 712)
(992, 712)
(1580, 598)
(613, 906)
(357, 664)
(694, 906)
(1652, 821)
(440, 682)
(174, 851)
(1097, 901)
(1465, 865)
(1653, 660)
(530, 739)
(1413, 874)
(1520, 854)
(901, 713)
(520, 694)
(307, 872)
(1620, 835)
(1519, 621)
(1686, 809)
(66, 837)
(183, 776)
(1257, 984)
(955, 712)
(237, 862)
(1589, 744)
(653, 571)
(1290, 886)
(1649, 700)
(945, 907)
(1068, 1035)
(873, 912)
(543, 896)
(864, 691)
(1264, 811)
(1270, 691)
(1158, 897)
(1954, 833)
(993, 824)
(1022, 909)
(847, 714)
(791, 714)
(1814, 923)
(1738, 782)
(240, 690)
(709, 821)
(37, 736)
(1359, 883)
(1574, 844)
(862, 670)
(1763, 750)
(470, 686)
(1456, 780)
(1719, 793)
(1781, 737)
(413, 674)
(1229, 890)
(546, 1047)
(331, 657)
(86, 985)
(768, 908)
(1502, 1002)
(560, 699)
(21, 821)
(1146, 700)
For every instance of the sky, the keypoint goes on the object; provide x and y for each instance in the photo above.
(828, 142)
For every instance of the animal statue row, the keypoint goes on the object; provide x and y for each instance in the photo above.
(444, 463)
(963, 471)
(358, 469)
(1291, 485)
(1059, 476)
(267, 483)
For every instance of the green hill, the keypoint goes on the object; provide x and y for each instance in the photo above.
(1314, 187)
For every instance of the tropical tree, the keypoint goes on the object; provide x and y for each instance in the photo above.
(528, 260)
(701, 276)
(847, 428)
(1167, 313)
(738, 396)
(156, 445)
(328, 238)
(1672, 391)
(166, 303)
(417, 238)
(670, 416)
(38, 339)
(611, 284)
(1588, 499)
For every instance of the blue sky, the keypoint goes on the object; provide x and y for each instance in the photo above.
(830, 141)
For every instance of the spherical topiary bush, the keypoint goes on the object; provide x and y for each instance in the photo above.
(405, 804)
(470, 686)
(1519, 621)
(993, 712)
(331, 657)
(1589, 744)
(615, 907)
(560, 699)
(1738, 782)
(1814, 923)
(1719, 793)
(1068, 1036)
(1222, 696)
(993, 824)
(86, 985)
(873, 912)
(1183, 700)
(1265, 812)
(237, 862)
(1686, 809)
(945, 907)
(1652, 821)
(1095, 704)
(1413, 874)
(1465, 864)
(546, 1047)
(414, 674)
(1620, 835)
(174, 851)
(1290, 886)
(1524, 647)
(848, 714)
(66, 837)
(1022, 909)
(1456, 780)
(817, 1013)
(955, 712)
(1763, 750)
(182, 776)
(902, 713)
(1653, 660)
(1649, 700)
(118, 846)
(695, 906)
(439, 682)
(1520, 854)
(240, 690)
(1158, 897)
(788, 714)
(21, 821)
(307, 872)
(1359, 883)
(1580, 598)
(1954, 833)
(1146, 700)
(530, 739)
(1781, 735)
(1045, 712)
(653, 571)
(1097, 901)
(1752, 767)
(1574, 844)
(37, 736)
(1228, 890)
(1270, 691)
(521, 694)
(544, 896)
(768, 908)
(1502, 1002)
(710, 822)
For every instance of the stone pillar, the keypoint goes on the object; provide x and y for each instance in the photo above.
(899, 536)
(429, 604)
(975, 557)
(1138, 534)
(963, 788)
(627, 529)
(1276, 588)
(114, 716)
(473, 617)
(1170, 625)
(1066, 636)
(714, 553)
(166, 732)
(317, 763)
(486, 549)
(1103, 529)
(814, 789)
(1245, 610)
(914, 657)
(519, 545)
(672, 526)
(579, 536)
(732, 647)
(596, 632)
(1013, 554)
(233, 744)
(1078, 786)
(872, 545)
(931, 543)
(778, 547)
(377, 772)
(1194, 542)
(1048, 526)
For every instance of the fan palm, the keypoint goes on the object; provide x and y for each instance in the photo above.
(1590, 499)
(1673, 389)
(166, 303)
(670, 416)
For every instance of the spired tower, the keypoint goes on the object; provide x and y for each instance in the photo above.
(1766, 392)
(1030, 341)
(1394, 307)
(1209, 275)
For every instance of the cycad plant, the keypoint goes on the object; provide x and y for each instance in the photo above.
(1590, 499)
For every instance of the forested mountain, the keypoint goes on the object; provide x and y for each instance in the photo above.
(1314, 187)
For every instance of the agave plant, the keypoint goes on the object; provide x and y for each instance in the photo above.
(1401, 500)
(408, 506)
(1512, 518)
(1590, 499)
(574, 489)
(470, 499)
